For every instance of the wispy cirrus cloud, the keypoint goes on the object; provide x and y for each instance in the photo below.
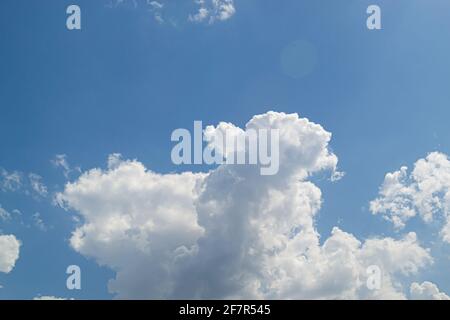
(10, 181)
(30, 184)
(37, 186)
(61, 161)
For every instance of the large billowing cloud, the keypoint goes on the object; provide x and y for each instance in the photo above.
(9, 252)
(425, 192)
(232, 233)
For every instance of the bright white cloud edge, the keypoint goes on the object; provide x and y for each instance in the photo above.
(9, 252)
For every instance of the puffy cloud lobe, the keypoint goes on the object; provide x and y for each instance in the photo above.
(10, 181)
(9, 252)
(135, 221)
(302, 147)
(426, 291)
(231, 233)
(338, 268)
(426, 192)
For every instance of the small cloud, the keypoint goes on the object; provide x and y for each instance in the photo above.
(4, 215)
(424, 192)
(156, 8)
(38, 222)
(337, 175)
(29, 184)
(10, 181)
(200, 16)
(60, 161)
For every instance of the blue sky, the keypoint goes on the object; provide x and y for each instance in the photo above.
(124, 82)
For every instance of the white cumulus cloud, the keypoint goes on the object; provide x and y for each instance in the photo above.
(232, 233)
(424, 192)
(9, 252)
